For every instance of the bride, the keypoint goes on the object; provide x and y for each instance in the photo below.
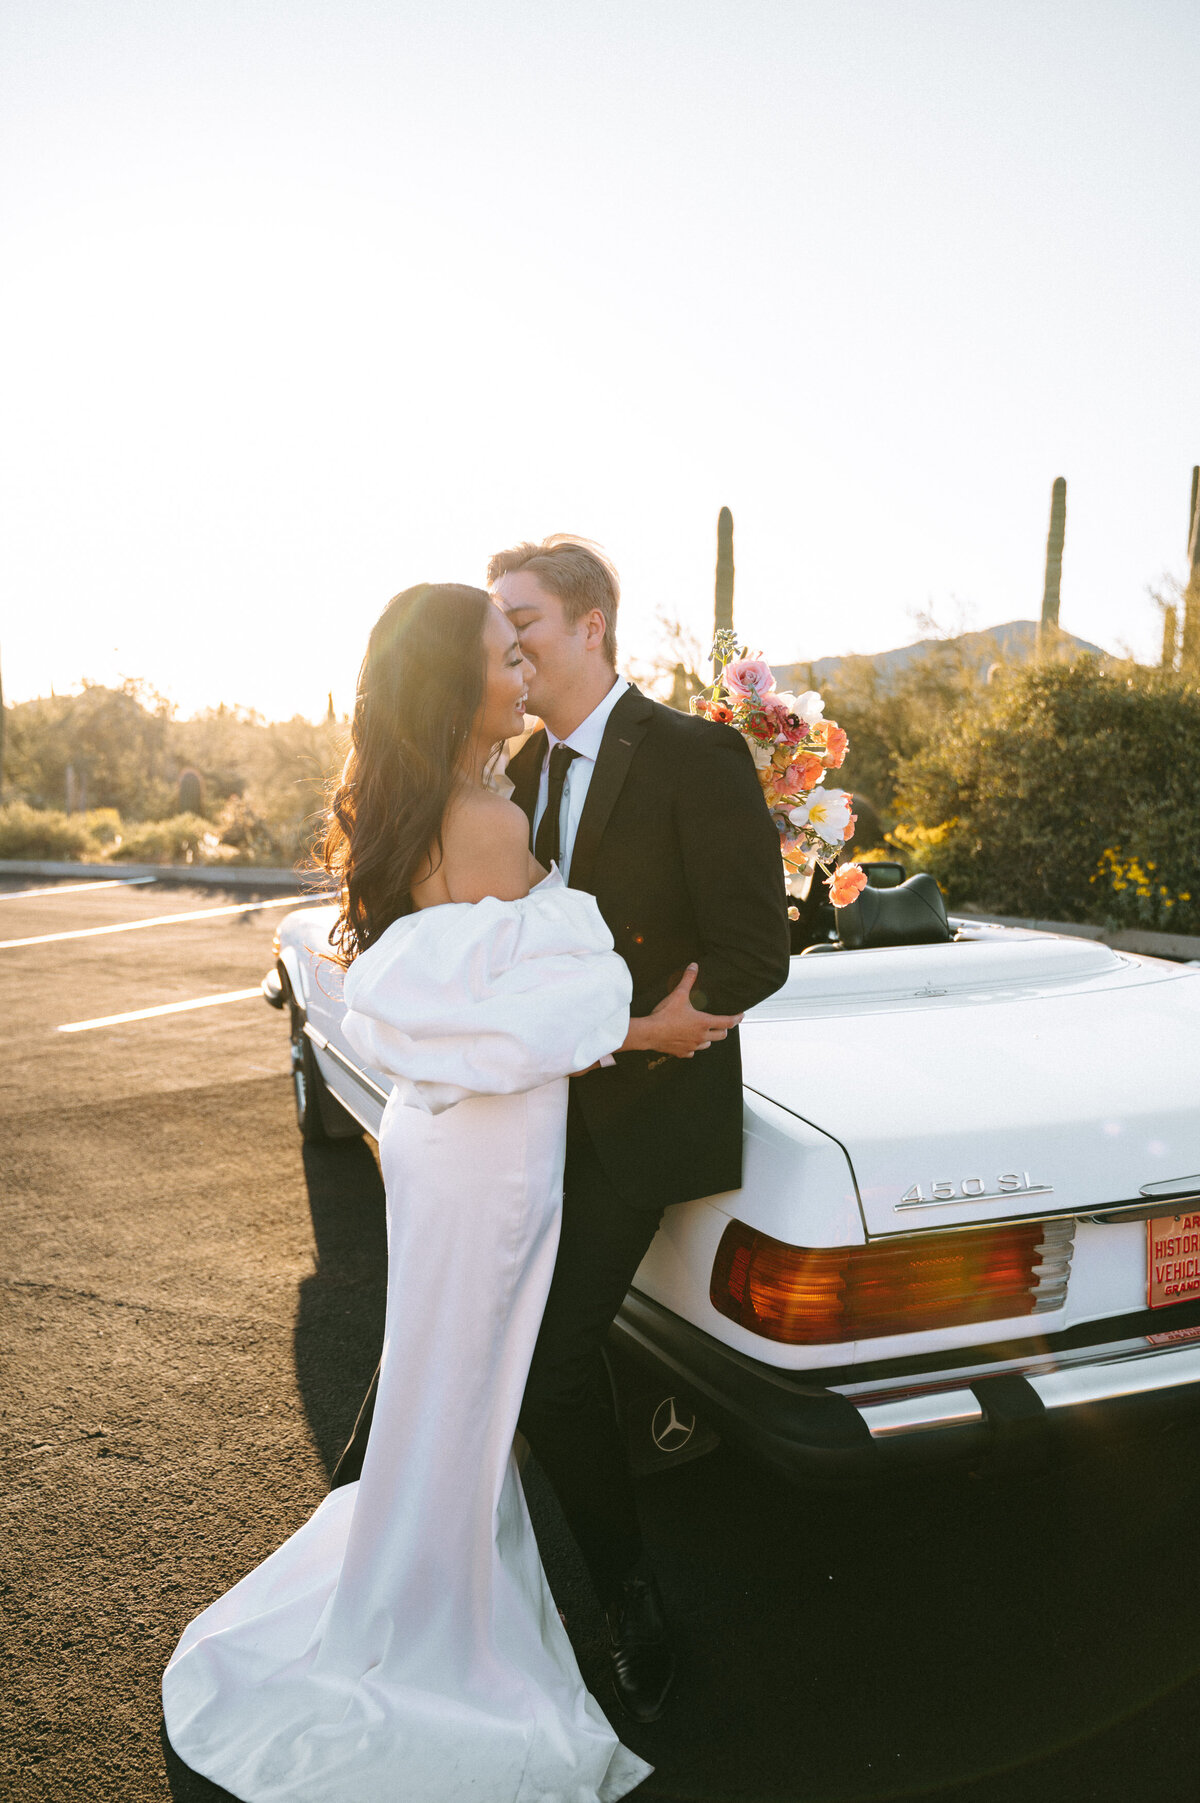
(403, 1646)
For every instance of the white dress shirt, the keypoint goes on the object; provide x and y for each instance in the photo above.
(586, 741)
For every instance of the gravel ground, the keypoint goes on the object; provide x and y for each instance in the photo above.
(193, 1308)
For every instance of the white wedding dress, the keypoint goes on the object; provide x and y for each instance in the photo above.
(403, 1646)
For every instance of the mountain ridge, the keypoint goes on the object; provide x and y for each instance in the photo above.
(1013, 642)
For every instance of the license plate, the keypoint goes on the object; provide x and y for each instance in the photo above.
(1172, 1259)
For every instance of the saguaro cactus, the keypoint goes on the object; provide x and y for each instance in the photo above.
(1189, 654)
(1054, 557)
(723, 608)
(191, 792)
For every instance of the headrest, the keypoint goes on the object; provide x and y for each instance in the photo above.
(913, 913)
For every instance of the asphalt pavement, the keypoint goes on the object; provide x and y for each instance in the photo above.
(193, 1306)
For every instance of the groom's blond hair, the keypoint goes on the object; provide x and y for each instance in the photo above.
(575, 570)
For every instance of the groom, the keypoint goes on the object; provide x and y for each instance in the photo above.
(660, 816)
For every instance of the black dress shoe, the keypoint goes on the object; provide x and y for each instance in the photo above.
(643, 1664)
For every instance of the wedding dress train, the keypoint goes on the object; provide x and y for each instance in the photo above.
(403, 1646)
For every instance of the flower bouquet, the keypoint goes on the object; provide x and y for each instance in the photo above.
(792, 746)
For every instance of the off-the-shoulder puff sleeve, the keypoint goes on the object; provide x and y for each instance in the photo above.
(489, 998)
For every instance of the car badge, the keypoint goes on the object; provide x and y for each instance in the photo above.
(672, 1426)
(1009, 1186)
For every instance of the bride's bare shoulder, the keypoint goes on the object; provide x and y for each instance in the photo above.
(485, 848)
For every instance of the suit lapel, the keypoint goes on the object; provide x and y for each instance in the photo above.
(623, 734)
(525, 774)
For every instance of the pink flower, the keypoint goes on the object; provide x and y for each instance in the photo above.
(847, 882)
(747, 676)
(810, 707)
(753, 721)
(785, 785)
(783, 717)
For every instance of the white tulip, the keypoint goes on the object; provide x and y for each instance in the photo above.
(825, 812)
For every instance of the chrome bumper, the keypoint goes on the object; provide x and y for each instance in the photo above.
(993, 1401)
(1092, 1375)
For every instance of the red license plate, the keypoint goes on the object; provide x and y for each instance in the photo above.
(1172, 1259)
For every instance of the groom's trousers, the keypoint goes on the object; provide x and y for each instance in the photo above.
(567, 1415)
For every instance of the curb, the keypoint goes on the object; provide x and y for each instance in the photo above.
(213, 876)
(1126, 939)
(247, 876)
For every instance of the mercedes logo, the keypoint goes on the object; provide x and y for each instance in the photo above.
(672, 1425)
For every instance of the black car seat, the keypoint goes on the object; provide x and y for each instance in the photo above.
(913, 913)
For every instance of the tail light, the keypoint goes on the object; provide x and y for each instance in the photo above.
(818, 1296)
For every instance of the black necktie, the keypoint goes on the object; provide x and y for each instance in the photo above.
(546, 847)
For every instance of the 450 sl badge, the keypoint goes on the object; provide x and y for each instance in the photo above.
(1009, 1185)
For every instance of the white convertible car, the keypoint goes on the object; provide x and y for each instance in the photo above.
(971, 1207)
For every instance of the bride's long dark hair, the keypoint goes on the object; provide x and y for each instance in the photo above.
(419, 693)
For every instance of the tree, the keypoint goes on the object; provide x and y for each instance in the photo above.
(116, 741)
(891, 716)
(1042, 795)
(671, 672)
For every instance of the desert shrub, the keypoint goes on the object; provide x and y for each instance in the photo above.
(104, 824)
(27, 832)
(1050, 782)
(272, 776)
(1134, 894)
(126, 751)
(251, 839)
(183, 839)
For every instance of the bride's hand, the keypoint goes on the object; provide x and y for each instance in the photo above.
(675, 1027)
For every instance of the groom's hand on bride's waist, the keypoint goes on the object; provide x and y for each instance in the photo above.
(675, 1027)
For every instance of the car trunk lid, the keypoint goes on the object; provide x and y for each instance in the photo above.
(976, 1081)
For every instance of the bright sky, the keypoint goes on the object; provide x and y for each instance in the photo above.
(308, 302)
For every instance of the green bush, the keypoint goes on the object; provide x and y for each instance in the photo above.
(1048, 791)
(27, 832)
(184, 839)
(126, 751)
(253, 839)
(105, 825)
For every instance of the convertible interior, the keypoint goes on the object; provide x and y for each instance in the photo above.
(891, 910)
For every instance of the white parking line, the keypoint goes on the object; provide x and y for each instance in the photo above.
(104, 882)
(204, 1001)
(164, 920)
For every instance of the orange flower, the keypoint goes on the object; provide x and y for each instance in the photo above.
(806, 772)
(847, 882)
(850, 826)
(835, 745)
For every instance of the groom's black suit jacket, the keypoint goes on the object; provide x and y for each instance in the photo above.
(676, 844)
